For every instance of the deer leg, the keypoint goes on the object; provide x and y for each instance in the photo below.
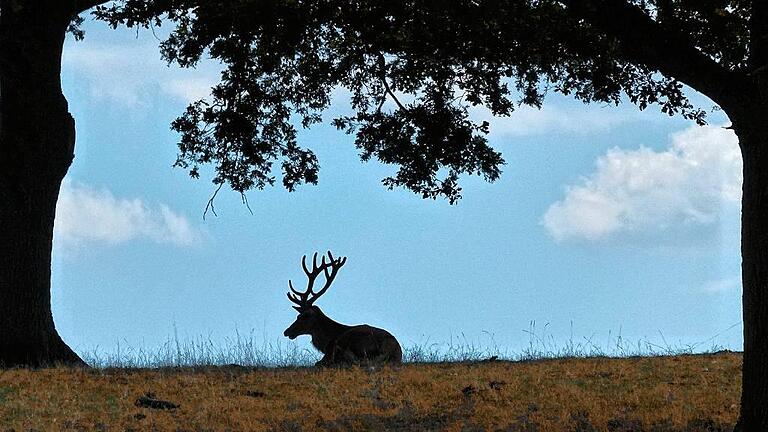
(331, 357)
(327, 360)
(349, 357)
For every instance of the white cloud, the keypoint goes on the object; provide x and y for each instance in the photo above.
(528, 121)
(132, 76)
(85, 214)
(647, 191)
(112, 74)
(190, 89)
(722, 285)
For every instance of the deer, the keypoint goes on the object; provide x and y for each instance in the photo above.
(340, 344)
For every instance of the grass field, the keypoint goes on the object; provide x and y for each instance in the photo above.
(663, 393)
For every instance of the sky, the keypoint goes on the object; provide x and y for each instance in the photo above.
(607, 221)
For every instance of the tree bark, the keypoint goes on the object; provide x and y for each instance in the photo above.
(752, 131)
(37, 136)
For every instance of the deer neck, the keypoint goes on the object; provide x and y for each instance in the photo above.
(326, 332)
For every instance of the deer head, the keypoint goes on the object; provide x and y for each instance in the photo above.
(310, 315)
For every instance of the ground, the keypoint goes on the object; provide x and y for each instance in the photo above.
(668, 393)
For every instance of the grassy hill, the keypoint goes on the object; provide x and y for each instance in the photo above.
(666, 393)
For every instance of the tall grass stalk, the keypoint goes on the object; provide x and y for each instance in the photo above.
(250, 351)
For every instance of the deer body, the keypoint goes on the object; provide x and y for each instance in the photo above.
(364, 342)
(340, 344)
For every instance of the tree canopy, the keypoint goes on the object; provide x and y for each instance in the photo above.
(414, 70)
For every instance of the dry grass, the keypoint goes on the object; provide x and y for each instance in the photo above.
(691, 392)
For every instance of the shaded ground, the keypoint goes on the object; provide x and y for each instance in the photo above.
(659, 394)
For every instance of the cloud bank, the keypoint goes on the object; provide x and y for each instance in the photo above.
(648, 191)
(84, 214)
(722, 285)
(132, 76)
(562, 116)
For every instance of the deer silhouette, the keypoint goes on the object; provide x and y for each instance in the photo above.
(341, 344)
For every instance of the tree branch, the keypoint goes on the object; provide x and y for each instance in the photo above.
(83, 5)
(648, 42)
(389, 91)
(383, 77)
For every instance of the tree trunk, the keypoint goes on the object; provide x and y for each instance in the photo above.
(37, 136)
(753, 138)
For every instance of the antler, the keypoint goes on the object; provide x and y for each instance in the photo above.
(305, 299)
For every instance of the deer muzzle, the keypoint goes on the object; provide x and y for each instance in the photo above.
(291, 333)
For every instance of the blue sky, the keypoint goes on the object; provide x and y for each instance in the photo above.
(606, 220)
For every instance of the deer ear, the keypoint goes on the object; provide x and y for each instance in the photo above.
(298, 308)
